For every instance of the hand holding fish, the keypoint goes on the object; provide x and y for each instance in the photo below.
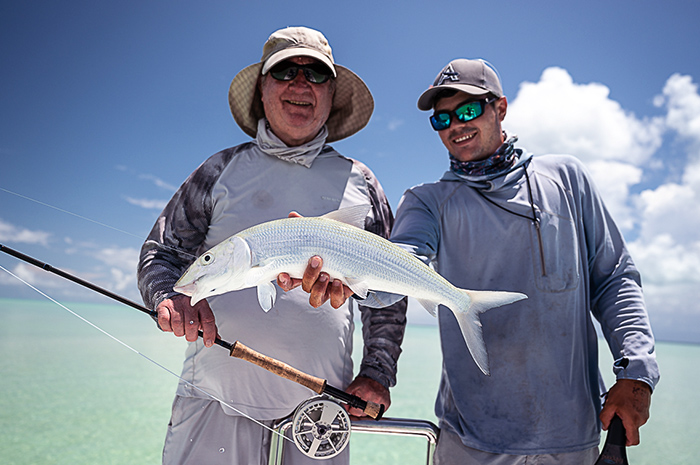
(361, 260)
(177, 316)
(317, 284)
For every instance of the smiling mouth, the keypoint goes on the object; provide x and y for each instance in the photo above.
(294, 102)
(464, 138)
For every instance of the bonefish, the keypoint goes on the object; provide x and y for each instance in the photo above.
(361, 260)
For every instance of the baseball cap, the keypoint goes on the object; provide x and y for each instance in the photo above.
(474, 77)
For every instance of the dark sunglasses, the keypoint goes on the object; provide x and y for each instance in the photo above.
(315, 73)
(466, 111)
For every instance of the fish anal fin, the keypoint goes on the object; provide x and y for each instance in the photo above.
(267, 294)
(429, 305)
(354, 216)
(358, 286)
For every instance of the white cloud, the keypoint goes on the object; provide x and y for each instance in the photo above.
(122, 267)
(556, 115)
(158, 182)
(680, 95)
(668, 248)
(614, 180)
(394, 124)
(149, 204)
(12, 233)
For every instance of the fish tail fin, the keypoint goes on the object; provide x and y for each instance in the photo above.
(470, 321)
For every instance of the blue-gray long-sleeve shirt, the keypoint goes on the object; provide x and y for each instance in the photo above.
(543, 395)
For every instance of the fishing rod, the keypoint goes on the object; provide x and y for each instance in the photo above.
(237, 349)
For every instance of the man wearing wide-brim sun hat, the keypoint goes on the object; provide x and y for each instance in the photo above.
(292, 103)
(352, 103)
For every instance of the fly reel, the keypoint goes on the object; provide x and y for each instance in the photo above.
(321, 428)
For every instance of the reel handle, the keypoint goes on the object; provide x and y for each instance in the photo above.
(282, 369)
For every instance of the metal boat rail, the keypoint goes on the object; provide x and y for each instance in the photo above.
(389, 426)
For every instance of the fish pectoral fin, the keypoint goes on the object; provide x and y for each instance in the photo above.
(267, 294)
(255, 275)
(358, 286)
(354, 216)
(429, 305)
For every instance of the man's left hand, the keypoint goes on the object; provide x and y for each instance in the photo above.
(630, 400)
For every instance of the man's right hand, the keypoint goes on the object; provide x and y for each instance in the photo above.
(177, 316)
(317, 284)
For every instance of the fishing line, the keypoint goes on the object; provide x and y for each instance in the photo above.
(69, 213)
(140, 238)
(116, 339)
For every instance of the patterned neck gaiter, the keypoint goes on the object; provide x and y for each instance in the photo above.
(497, 163)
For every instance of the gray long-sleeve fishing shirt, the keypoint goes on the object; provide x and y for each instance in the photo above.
(236, 189)
(543, 395)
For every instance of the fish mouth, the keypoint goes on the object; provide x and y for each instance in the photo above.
(187, 289)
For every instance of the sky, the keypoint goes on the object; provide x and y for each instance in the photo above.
(106, 108)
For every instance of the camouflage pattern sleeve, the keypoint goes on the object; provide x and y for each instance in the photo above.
(382, 328)
(181, 228)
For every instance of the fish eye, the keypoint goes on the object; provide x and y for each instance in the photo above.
(207, 258)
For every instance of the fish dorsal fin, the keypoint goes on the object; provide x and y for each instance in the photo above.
(358, 286)
(354, 216)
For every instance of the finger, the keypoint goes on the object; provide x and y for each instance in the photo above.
(191, 324)
(633, 437)
(164, 319)
(284, 281)
(355, 413)
(338, 294)
(606, 416)
(207, 323)
(287, 283)
(177, 324)
(311, 274)
(318, 293)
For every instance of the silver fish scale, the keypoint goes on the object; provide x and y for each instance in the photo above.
(286, 245)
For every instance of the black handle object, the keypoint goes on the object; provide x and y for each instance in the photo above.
(614, 448)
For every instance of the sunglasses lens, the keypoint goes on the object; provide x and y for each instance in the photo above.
(469, 111)
(440, 120)
(315, 73)
(284, 72)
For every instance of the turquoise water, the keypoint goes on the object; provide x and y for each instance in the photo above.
(72, 395)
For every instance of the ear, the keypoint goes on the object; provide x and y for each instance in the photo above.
(501, 108)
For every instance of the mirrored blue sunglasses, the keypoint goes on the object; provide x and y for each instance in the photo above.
(465, 111)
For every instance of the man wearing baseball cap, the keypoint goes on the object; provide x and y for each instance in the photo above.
(501, 219)
(292, 103)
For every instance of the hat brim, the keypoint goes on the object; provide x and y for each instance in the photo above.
(425, 101)
(351, 110)
(298, 52)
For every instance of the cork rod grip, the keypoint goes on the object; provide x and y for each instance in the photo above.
(279, 368)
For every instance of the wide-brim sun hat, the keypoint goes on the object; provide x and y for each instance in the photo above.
(352, 102)
(474, 77)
